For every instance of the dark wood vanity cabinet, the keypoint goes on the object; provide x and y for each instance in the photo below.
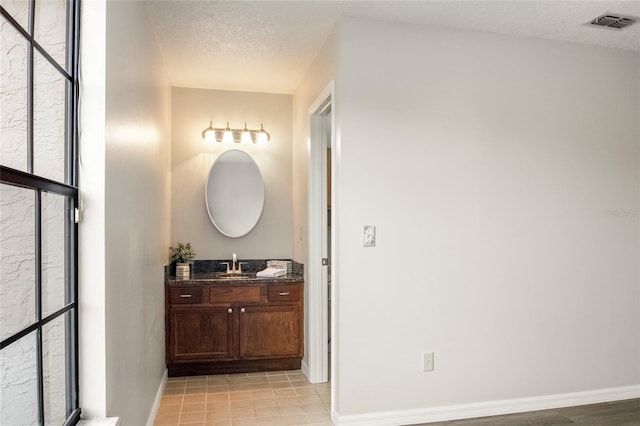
(200, 333)
(267, 331)
(230, 328)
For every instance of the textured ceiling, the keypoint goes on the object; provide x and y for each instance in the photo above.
(266, 46)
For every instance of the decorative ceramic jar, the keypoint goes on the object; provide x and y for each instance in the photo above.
(182, 270)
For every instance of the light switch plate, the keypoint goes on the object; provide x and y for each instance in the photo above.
(369, 236)
(427, 361)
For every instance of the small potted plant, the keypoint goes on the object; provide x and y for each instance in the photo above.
(182, 254)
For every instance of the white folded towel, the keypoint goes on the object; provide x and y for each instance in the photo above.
(271, 273)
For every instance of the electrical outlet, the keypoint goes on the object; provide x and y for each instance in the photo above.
(427, 361)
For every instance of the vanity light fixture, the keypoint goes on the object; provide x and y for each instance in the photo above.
(230, 136)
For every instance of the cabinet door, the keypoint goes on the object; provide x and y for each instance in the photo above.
(200, 333)
(269, 331)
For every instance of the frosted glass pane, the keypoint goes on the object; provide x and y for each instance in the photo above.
(54, 370)
(18, 383)
(19, 10)
(53, 252)
(48, 120)
(17, 259)
(13, 97)
(50, 28)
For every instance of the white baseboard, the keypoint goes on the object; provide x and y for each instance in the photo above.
(106, 421)
(156, 402)
(304, 367)
(493, 408)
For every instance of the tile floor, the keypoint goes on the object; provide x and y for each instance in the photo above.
(271, 398)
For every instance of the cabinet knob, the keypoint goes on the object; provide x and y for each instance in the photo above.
(242, 310)
(230, 310)
(185, 296)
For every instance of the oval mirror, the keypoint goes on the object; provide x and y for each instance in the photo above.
(234, 193)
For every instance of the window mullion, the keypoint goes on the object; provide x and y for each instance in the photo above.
(73, 50)
(69, 103)
(38, 284)
(70, 297)
(40, 371)
(71, 238)
(30, 81)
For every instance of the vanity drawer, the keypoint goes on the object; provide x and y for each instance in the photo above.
(234, 294)
(191, 295)
(284, 293)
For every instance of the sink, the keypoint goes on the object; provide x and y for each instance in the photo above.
(224, 276)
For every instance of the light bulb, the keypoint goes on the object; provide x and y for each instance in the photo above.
(208, 134)
(246, 136)
(263, 136)
(227, 138)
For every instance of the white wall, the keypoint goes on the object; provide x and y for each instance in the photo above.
(495, 169)
(137, 221)
(487, 165)
(321, 72)
(91, 231)
(126, 190)
(191, 160)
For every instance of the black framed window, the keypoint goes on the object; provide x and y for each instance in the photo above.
(39, 41)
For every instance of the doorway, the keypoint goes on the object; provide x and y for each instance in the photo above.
(321, 210)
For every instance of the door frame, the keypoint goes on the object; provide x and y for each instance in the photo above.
(317, 274)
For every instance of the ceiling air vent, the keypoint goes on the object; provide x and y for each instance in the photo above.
(614, 21)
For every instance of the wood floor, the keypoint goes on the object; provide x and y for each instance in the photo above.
(620, 413)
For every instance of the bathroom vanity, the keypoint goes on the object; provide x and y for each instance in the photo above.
(222, 323)
(223, 319)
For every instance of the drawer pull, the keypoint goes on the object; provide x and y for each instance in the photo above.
(242, 310)
(284, 293)
(185, 296)
(230, 310)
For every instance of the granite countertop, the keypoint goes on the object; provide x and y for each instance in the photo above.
(210, 272)
(216, 278)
